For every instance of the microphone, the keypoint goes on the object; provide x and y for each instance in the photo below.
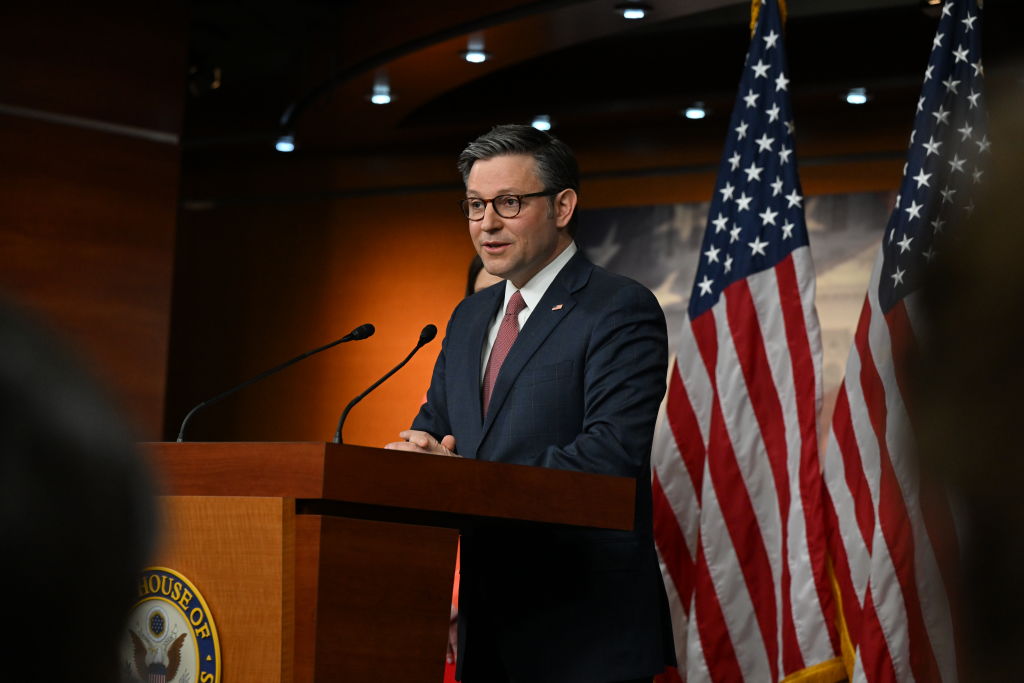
(361, 332)
(426, 335)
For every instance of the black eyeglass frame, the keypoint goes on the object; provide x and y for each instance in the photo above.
(464, 203)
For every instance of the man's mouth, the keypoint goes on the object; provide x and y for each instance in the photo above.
(492, 247)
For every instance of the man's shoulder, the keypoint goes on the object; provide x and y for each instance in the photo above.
(614, 288)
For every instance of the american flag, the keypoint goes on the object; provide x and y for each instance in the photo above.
(891, 533)
(738, 493)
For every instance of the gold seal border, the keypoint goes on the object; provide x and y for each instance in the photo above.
(206, 611)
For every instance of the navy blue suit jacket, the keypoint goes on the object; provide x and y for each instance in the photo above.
(579, 390)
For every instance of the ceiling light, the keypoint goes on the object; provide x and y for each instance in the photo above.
(381, 89)
(696, 111)
(285, 143)
(541, 122)
(476, 56)
(475, 52)
(633, 10)
(857, 96)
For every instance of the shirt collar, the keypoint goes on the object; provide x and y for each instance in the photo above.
(534, 290)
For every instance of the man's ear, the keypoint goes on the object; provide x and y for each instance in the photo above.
(564, 206)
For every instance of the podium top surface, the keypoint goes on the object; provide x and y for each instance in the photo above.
(379, 483)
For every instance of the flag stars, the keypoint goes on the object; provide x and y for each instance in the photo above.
(897, 277)
(973, 99)
(947, 9)
(751, 98)
(743, 202)
(950, 85)
(741, 130)
(969, 21)
(777, 186)
(773, 113)
(720, 223)
(764, 143)
(712, 254)
(965, 132)
(937, 225)
(956, 164)
(976, 174)
(922, 179)
(760, 69)
(941, 115)
(781, 82)
(784, 155)
(905, 244)
(937, 41)
(787, 230)
(932, 147)
(983, 144)
(734, 160)
(929, 254)
(790, 126)
(947, 194)
(928, 73)
(734, 234)
(768, 217)
(753, 172)
(726, 193)
(961, 55)
(757, 247)
(770, 39)
(914, 210)
(728, 263)
(793, 199)
(705, 285)
(979, 69)
(920, 103)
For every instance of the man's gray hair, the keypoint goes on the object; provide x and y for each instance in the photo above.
(556, 164)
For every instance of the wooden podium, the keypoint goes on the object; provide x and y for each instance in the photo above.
(322, 562)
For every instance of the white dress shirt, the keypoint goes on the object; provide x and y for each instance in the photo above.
(532, 293)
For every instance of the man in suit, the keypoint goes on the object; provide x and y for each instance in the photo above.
(563, 366)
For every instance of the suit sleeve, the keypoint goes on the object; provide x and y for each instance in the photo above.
(433, 415)
(624, 382)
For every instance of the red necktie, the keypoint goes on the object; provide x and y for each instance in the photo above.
(507, 333)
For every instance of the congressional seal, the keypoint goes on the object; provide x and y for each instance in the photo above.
(171, 637)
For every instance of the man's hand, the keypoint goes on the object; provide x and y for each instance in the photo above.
(453, 636)
(421, 442)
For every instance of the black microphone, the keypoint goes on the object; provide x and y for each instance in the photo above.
(361, 332)
(428, 333)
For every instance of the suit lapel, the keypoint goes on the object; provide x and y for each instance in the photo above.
(554, 306)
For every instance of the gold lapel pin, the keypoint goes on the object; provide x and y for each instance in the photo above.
(556, 308)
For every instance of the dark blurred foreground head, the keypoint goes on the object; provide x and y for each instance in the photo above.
(969, 392)
(77, 516)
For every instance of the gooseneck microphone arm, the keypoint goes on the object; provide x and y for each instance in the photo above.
(361, 332)
(428, 333)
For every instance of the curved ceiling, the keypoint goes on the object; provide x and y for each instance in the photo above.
(577, 61)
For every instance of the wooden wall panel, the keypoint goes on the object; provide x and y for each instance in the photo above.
(90, 109)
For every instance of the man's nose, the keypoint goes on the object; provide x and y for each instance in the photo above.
(491, 220)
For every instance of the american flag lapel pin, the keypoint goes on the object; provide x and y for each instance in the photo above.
(556, 308)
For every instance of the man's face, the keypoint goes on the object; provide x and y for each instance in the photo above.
(515, 248)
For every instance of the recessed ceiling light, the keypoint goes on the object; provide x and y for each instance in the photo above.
(541, 122)
(381, 92)
(695, 111)
(476, 56)
(857, 96)
(285, 143)
(633, 10)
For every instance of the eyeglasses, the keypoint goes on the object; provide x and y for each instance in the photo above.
(505, 205)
